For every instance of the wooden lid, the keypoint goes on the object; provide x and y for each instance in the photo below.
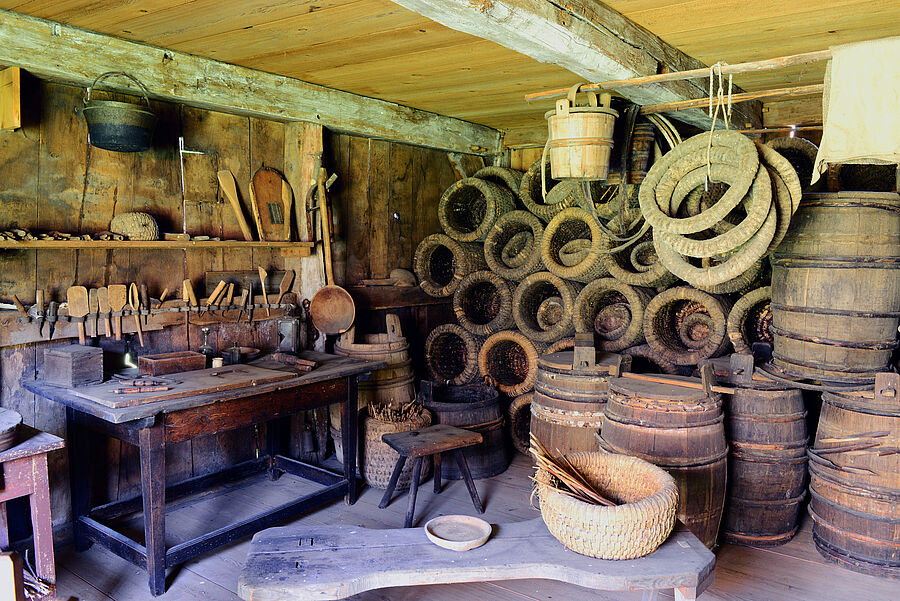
(562, 361)
(9, 420)
(657, 390)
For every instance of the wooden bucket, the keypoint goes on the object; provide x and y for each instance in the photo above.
(580, 143)
(567, 406)
(766, 427)
(836, 287)
(681, 430)
(855, 493)
(474, 407)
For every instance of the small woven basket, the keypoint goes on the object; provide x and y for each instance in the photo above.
(451, 354)
(645, 518)
(135, 226)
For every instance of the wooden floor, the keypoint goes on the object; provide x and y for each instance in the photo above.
(792, 572)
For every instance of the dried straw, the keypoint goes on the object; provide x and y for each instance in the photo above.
(395, 414)
(568, 479)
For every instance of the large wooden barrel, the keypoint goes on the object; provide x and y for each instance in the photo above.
(474, 407)
(765, 424)
(836, 287)
(681, 430)
(854, 487)
(393, 385)
(567, 406)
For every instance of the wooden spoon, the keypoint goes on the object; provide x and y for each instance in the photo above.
(229, 187)
(94, 307)
(118, 296)
(78, 307)
(285, 285)
(135, 301)
(103, 300)
(262, 280)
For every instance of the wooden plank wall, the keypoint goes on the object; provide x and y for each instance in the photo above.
(53, 180)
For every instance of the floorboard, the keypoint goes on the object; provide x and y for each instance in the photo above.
(791, 572)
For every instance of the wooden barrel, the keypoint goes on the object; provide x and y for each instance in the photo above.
(765, 424)
(836, 287)
(567, 406)
(474, 407)
(393, 385)
(854, 487)
(580, 143)
(681, 430)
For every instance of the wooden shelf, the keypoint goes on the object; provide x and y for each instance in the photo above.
(301, 249)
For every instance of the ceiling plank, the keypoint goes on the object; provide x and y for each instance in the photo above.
(61, 52)
(585, 37)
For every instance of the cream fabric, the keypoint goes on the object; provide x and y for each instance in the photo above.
(861, 105)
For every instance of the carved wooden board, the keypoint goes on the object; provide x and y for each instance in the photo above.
(269, 210)
(184, 384)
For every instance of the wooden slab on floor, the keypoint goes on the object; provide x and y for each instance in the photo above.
(335, 562)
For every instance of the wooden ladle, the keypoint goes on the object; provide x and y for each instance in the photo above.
(77, 296)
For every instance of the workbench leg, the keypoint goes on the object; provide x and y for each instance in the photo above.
(392, 483)
(350, 431)
(413, 490)
(275, 430)
(436, 465)
(153, 489)
(79, 476)
(4, 528)
(41, 522)
(467, 476)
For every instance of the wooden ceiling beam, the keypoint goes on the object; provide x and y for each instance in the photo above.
(586, 37)
(60, 52)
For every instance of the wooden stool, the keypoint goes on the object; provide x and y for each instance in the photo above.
(23, 473)
(433, 441)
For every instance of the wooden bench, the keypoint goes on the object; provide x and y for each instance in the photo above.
(335, 562)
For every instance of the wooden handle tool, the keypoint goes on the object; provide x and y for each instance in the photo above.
(287, 199)
(77, 296)
(325, 220)
(229, 187)
(256, 217)
(103, 300)
(285, 285)
(145, 303)
(94, 308)
(262, 280)
(118, 298)
(162, 297)
(229, 296)
(39, 303)
(216, 293)
(241, 303)
(19, 306)
(135, 302)
(187, 294)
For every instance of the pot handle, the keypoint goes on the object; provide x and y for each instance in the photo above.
(103, 76)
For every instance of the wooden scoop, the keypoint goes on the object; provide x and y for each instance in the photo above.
(94, 308)
(135, 301)
(77, 296)
(103, 300)
(229, 187)
(285, 285)
(263, 274)
(118, 296)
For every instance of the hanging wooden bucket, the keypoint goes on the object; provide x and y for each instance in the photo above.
(580, 142)
(855, 481)
(766, 427)
(119, 126)
(473, 407)
(836, 288)
(681, 430)
(567, 406)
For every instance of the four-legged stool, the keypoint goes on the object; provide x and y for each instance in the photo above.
(433, 441)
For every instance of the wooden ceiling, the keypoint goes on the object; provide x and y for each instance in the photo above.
(376, 48)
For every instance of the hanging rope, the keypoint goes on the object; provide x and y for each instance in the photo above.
(719, 95)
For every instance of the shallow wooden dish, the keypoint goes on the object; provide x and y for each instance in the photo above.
(458, 532)
(9, 427)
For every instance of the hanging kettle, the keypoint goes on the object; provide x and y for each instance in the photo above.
(118, 126)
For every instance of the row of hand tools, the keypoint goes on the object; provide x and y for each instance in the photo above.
(110, 303)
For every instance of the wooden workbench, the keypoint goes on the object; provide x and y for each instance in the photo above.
(152, 426)
(335, 562)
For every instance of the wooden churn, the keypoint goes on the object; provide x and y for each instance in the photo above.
(581, 137)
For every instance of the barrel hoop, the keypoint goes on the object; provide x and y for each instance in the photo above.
(854, 386)
(801, 262)
(875, 345)
(770, 418)
(851, 205)
(855, 561)
(562, 142)
(645, 424)
(836, 401)
(819, 465)
(760, 539)
(853, 375)
(855, 513)
(698, 406)
(495, 424)
(562, 417)
(766, 502)
(840, 312)
(664, 462)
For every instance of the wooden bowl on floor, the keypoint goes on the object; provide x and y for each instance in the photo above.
(458, 532)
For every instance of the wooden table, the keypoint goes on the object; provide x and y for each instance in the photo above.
(152, 426)
(336, 562)
(23, 473)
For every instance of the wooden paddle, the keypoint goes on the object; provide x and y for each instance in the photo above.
(103, 299)
(267, 198)
(135, 302)
(118, 297)
(77, 296)
(229, 187)
(262, 280)
(285, 285)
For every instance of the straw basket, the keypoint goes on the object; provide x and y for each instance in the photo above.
(627, 531)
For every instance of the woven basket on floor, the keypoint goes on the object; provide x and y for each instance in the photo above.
(510, 359)
(633, 529)
(378, 459)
